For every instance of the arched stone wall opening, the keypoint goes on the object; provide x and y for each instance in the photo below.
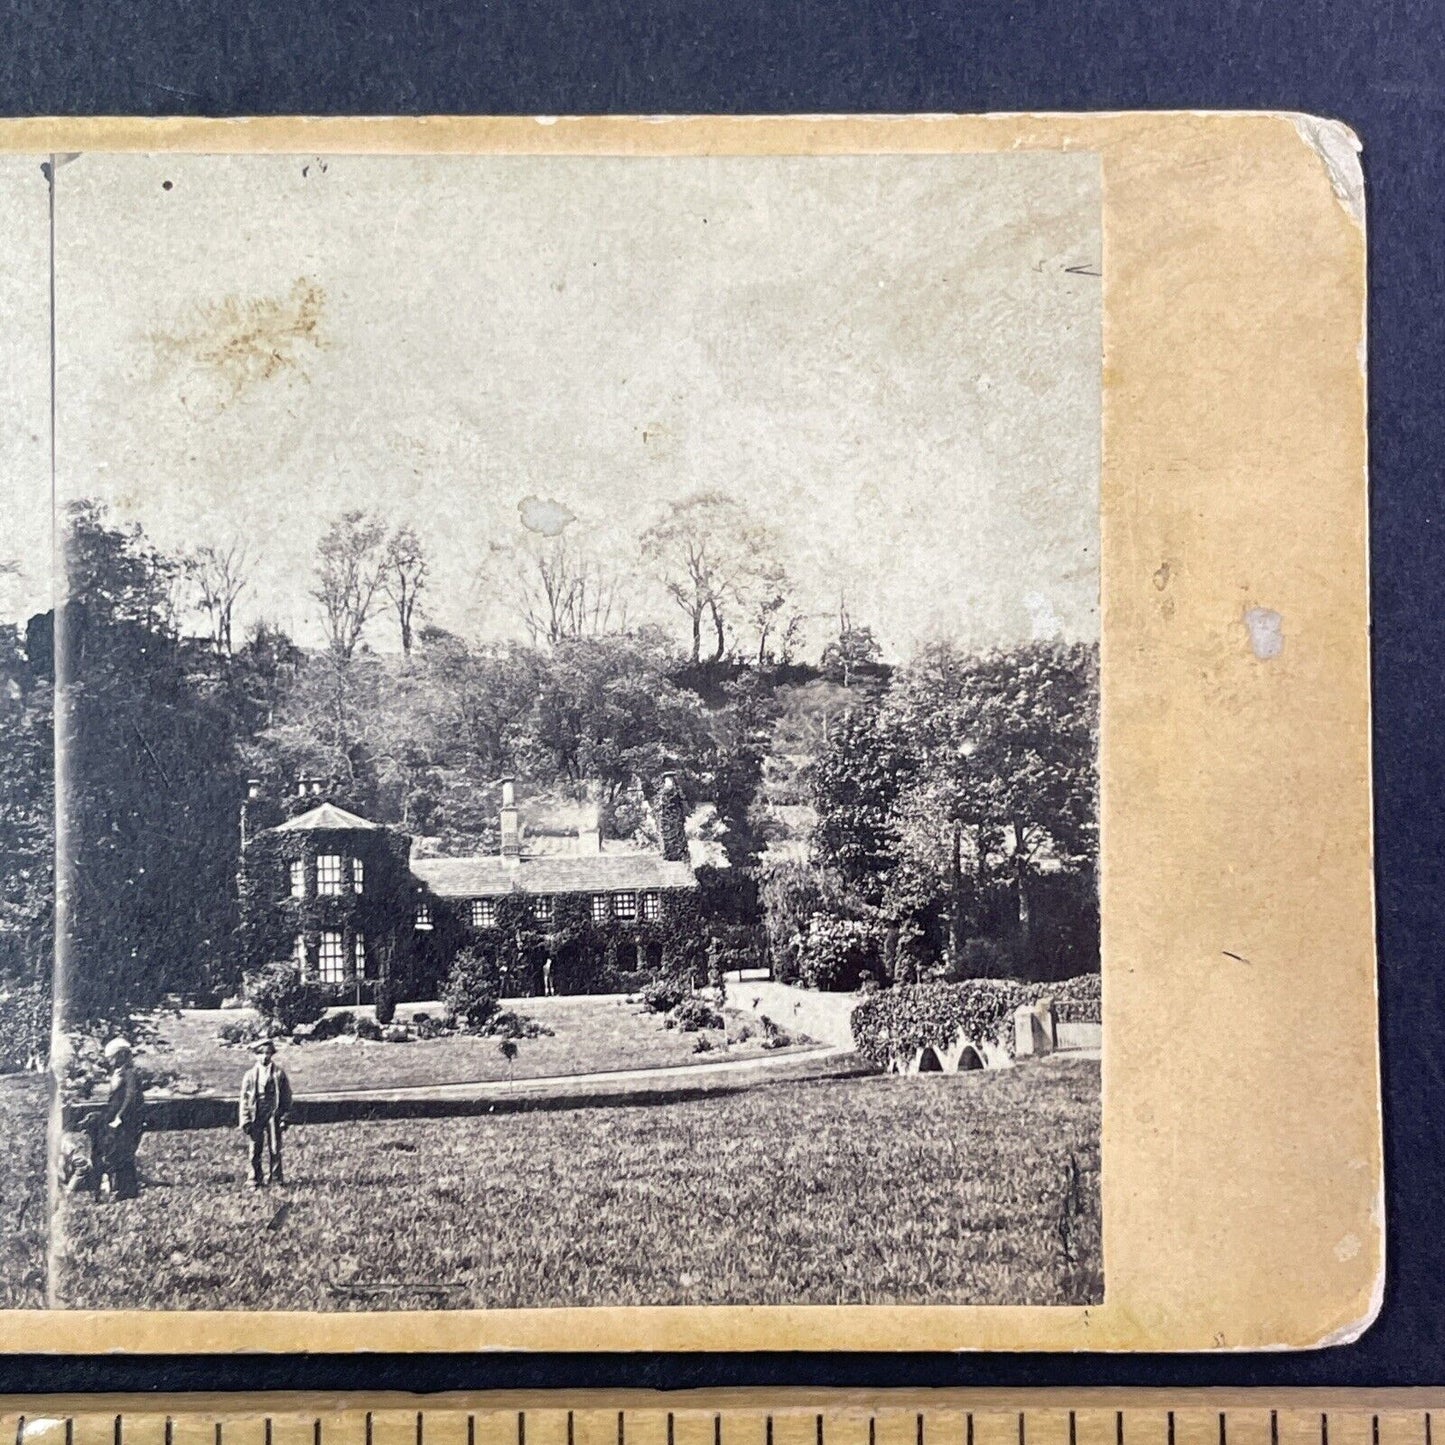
(929, 1062)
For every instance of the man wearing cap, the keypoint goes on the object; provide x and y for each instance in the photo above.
(115, 1131)
(265, 1103)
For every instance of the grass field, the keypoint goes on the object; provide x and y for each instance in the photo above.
(971, 1188)
(590, 1035)
(23, 1107)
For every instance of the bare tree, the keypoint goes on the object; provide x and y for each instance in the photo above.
(708, 552)
(766, 597)
(403, 579)
(218, 578)
(349, 567)
(559, 590)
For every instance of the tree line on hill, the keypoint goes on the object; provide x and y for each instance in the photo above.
(954, 796)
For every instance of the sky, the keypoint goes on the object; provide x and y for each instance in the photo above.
(893, 361)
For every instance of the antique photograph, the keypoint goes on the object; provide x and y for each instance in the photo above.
(561, 768)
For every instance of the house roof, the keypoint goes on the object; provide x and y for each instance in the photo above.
(488, 877)
(328, 818)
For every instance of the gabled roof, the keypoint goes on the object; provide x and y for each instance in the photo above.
(328, 818)
(490, 876)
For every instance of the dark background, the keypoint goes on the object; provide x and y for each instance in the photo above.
(1378, 66)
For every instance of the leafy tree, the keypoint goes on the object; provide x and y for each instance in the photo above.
(854, 649)
(1007, 746)
(709, 553)
(27, 814)
(607, 713)
(152, 784)
(350, 566)
(741, 734)
(856, 781)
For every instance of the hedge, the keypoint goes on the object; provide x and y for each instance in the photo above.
(898, 1022)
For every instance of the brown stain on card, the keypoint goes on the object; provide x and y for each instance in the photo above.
(244, 341)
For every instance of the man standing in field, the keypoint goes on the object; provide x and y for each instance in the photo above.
(115, 1131)
(265, 1103)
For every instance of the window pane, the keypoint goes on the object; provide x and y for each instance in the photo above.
(542, 908)
(299, 952)
(359, 947)
(358, 873)
(298, 879)
(328, 873)
(331, 960)
(484, 912)
(652, 905)
(625, 905)
(599, 908)
(423, 915)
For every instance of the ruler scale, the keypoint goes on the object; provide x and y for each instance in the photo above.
(742, 1417)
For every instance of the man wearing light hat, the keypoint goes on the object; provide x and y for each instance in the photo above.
(265, 1103)
(115, 1131)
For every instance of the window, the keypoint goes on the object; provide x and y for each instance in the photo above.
(358, 948)
(652, 906)
(328, 874)
(298, 879)
(542, 909)
(331, 961)
(358, 873)
(484, 912)
(600, 911)
(624, 905)
(299, 952)
(423, 916)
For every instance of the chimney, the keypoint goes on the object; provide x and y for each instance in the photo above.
(511, 827)
(671, 817)
(589, 831)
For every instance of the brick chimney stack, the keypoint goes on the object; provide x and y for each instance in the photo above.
(511, 825)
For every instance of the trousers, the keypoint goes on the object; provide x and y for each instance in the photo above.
(266, 1150)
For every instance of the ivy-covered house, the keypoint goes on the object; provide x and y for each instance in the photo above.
(352, 904)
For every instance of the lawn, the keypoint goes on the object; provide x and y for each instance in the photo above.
(590, 1035)
(978, 1188)
(23, 1108)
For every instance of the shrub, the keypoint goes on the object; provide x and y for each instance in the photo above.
(386, 992)
(836, 952)
(473, 989)
(980, 958)
(511, 1025)
(773, 1036)
(664, 994)
(695, 1013)
(24, 1028)
(237, 1032)
(1076, 1000)
(366, 1027)
(282, 997)
(742, 1034)
(897, 1022)
(635, 981)
(424, 1026)
(333, 1025)
(395, 1033)
(702, 1044)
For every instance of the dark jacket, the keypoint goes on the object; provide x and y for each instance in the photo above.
(263, 1099)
